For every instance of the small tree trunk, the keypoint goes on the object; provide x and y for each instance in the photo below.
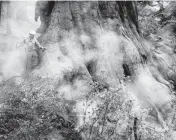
(0, 11)
(8, 27)
(135, 129)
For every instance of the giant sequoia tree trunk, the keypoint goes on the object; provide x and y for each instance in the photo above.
(100, 40)
(87, 17)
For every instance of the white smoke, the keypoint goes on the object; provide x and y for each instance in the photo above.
(14, 65)
(148, 90)
(13, 59)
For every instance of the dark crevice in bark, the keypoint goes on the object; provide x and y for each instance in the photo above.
(73, 17)
(121, 11)
(132, 13)
(91, 67)
(126, 70)
(51, 6)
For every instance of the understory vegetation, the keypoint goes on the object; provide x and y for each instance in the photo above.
(34, 110)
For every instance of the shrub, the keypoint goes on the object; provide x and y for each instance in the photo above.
(34, 110)
(118, 116)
